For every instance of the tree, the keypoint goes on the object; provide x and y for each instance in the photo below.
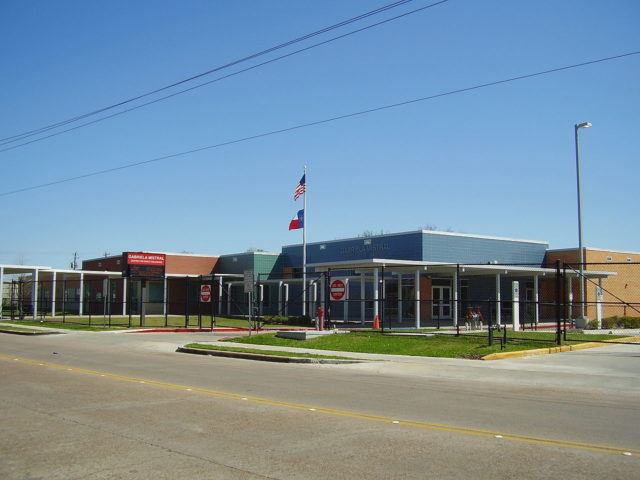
(434, 228)
(371, 233)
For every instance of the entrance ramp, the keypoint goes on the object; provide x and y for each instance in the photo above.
(307, 334)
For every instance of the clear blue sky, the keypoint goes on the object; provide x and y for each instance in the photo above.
(496, 161)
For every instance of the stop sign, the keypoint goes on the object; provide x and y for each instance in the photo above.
(205, 293)
(337, 289)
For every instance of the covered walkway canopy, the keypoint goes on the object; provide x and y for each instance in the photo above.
(375, 267)
(37, 275)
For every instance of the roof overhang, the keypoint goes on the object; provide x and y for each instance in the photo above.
(409, 266)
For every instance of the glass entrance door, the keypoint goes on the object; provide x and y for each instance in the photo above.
(441, 302)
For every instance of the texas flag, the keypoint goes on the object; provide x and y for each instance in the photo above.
(298, 221)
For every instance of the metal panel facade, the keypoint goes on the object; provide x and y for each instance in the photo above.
(421, 246)
(261, 263)
(468, 249)
(402, 246)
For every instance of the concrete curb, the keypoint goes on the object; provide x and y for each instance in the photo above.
(18, 332)
(264, 358)
(563, 348)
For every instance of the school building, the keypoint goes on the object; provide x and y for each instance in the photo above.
(411, 279)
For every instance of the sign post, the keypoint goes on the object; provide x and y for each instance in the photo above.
(143, 266)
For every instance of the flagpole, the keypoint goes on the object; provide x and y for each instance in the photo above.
(304, 249)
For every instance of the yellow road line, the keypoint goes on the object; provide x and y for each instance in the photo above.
(345, 413)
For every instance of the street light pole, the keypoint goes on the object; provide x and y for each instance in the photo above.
(583, 319)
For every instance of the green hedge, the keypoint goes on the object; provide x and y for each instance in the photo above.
(297, 320)
(620, 322)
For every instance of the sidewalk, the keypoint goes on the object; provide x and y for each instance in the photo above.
(612, 367)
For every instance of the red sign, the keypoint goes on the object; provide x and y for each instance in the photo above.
(135, 258)
(205, 293)
(337, 290)
(140, 265)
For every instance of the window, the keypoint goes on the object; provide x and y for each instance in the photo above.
(155, 292)
(609, 259)
(464, 290)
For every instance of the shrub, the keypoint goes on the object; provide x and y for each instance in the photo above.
(592, 325)
(630, 322)
(609, 322)
(275, 320)
(620, 322)
(299, 320)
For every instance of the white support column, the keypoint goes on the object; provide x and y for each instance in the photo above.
(376, 292)
(81, 302)
(286, 299)
(316, 297)
(515, 290)
(165, 289)
(599, 300)
(417, 289)
(382, 294)
(280, 306)
(536, 300)
(399, 297)
(64, 292)
(314, 291)
(1, 290)
(498, 301)
(229, 289)
(53, 294)
(346, 299)
(363, 283)
(260, 299)
(34, 294)
(220, 291)
(105, 294)
(124, 295)
(455, 299)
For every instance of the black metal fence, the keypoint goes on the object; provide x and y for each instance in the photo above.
(447, 297)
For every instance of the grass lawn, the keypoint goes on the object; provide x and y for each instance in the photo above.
(15, 329)
(436, 346)
(64, 326)
(264, 352)
(99, 323)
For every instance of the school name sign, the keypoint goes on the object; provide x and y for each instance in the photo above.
(144, 265)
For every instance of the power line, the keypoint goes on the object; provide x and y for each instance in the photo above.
(22, 136)
(216, 79)
(320, 122)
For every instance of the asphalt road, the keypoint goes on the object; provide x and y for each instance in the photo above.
(109, 406)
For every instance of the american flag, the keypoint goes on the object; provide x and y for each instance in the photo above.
(300, 188)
